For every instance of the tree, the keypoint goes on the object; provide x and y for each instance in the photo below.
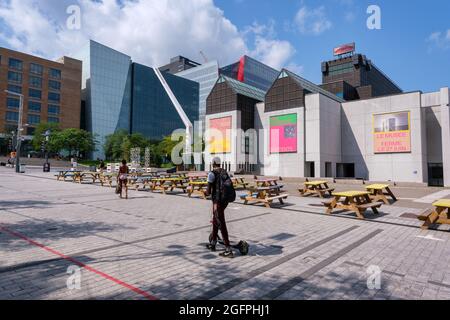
(53, 145)
(76, 141)
(119, 144)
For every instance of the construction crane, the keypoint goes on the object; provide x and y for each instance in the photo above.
(204, 56)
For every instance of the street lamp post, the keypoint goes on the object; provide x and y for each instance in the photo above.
(19, 128)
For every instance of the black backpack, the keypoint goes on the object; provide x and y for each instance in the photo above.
(225, 192)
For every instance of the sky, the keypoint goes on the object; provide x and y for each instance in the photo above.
(412, 45)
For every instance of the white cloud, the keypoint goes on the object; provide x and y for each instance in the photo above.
(440, 40)
(312, 21)
(151, 31)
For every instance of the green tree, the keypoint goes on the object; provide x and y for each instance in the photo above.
(53, 145)
(76, 141)
(113, 145)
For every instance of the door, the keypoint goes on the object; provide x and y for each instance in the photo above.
(435, 175)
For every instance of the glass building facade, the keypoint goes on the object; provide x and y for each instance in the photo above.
(153, 113)
(121, 95)
(252, 72)
(206, 75)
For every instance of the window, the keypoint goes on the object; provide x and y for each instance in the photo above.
(15, 64)
(52, 109)
(55, 74)
(54, 85)
(35, 94)
(33, 119)
(35, 82)
(14, 77)
(36, 69)
(55, 97)
(341, 68)
(13, 88)
(12, 116)
(12, 103)
(30, 131)
(34, 106)
(53, 120)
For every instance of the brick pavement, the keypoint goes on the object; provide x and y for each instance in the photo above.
(155, 244)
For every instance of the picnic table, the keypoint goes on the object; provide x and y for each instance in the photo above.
(64, 174)
(265, 195)
(107, 178)
(80, 176)
(198, 187)
(378, 192)
(354, 201)
(239, 183)
(167, 184)
(316, 188)
(268, 183)
(439, 215)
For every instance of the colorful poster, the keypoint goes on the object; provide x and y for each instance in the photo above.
(392, 132)
(221, 135)
(283, 134)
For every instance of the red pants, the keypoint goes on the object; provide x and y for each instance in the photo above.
(219, 223)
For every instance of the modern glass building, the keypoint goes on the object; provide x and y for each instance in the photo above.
(119, 94)
(106, 91)
(252, 72)
(206, 75)
(153, 114)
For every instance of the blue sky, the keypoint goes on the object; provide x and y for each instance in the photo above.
(412, 47)
(402, 48)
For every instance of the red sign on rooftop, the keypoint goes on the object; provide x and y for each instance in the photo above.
(346, 48)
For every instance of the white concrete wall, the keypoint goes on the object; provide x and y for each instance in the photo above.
(445, 125)
(358, 142)
(434, 134)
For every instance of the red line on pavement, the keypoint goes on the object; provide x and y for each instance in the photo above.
(80, 264)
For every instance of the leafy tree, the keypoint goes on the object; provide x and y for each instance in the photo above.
(53, 145)
(113, 145)
(76, 141)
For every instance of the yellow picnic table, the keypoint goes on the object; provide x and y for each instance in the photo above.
(440, 215)
(265, 195)
(198, 187)
(316, 187)
(377, 192)
(167, 184)
(239, 183)
(354, 201)
(80, 176)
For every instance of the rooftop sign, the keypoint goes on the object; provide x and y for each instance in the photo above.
(346, 48)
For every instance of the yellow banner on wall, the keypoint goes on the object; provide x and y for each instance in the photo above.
(220, 141)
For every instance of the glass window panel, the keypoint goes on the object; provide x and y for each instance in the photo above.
(34, 119)
(14, 77)
(54, 85)
(15, 64)
(12, 116)
(35, 82)
(35, 94)
(36, 69)
(55, 97)
(12, 103)
(34, 106)
(55, 74)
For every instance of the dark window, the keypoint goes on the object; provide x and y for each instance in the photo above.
(55, 74)
(12, 103)
(13, 88)
(15, 64)
(53, 120)
(35, 94)
(35, 82)
(33, 119)
(36, 69)
(54, 85)
(345, 170)
(30, 131)
(12, 116)
(34, 106)
(54, 97)
(52, 109)
(14, 77)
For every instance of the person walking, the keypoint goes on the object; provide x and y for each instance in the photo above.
(122, 179)
(217, 180)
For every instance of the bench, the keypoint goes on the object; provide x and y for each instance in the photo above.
(440, 214)
(373, 205)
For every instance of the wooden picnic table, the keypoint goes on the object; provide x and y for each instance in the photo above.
(265, 195)
(354, 201)
(316, 188)
(63, 174)
(198, 187)
(268, 183)
(439, 215)
(378, 192)
(81, 175)
(167, 184)
(239, 183)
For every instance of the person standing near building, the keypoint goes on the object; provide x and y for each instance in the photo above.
(221, 190)
(122, 179)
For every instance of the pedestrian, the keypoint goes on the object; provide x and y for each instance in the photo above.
(220, 202)
(122, 179)
(102, 166)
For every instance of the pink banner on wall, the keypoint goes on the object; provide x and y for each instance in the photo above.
(283, 134)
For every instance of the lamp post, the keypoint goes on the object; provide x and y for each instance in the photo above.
(19, 128)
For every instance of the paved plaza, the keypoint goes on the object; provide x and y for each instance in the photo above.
(60, 240)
